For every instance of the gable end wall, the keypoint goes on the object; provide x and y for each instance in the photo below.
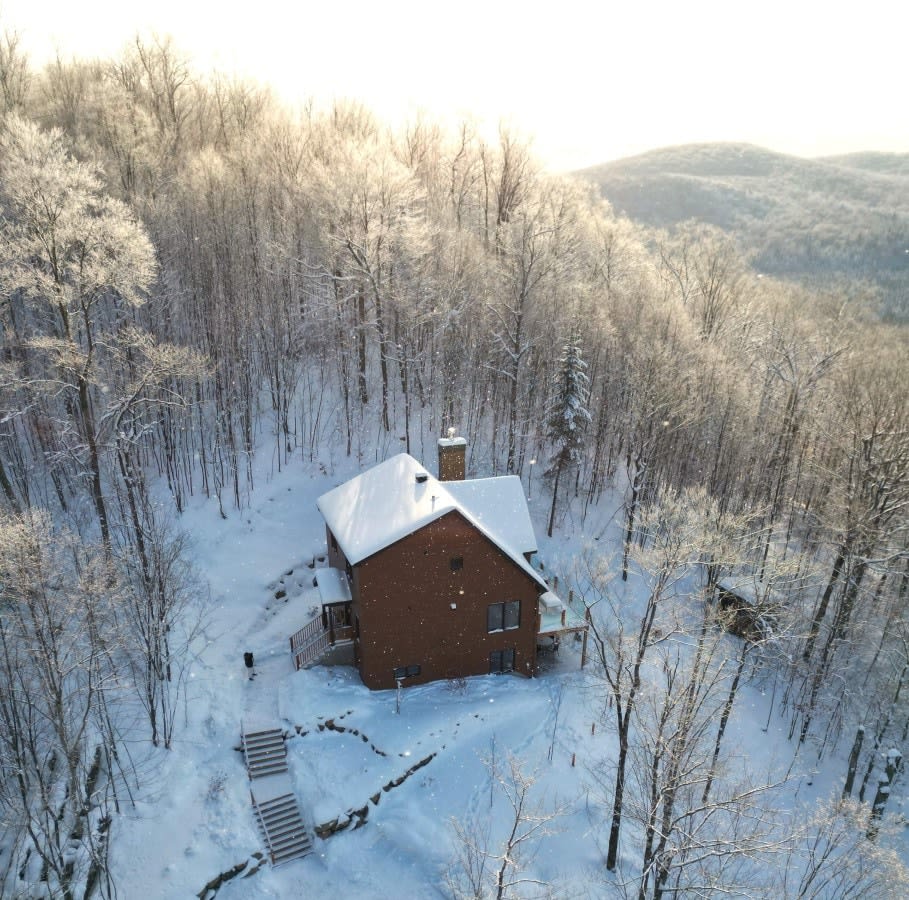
(404, 596)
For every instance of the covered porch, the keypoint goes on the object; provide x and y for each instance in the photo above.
(332, 627)
(334, 592)
(556, 621)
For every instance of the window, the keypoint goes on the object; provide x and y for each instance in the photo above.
(501, 661)
(457, 563)
(406, 672)
(503, 616)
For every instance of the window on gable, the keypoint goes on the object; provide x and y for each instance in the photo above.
(402, 672)
(503, 616)
(501, 661)
(457, 563)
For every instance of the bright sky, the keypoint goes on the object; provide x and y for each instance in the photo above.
(586, 79)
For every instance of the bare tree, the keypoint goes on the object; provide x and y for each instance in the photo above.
(164, 612)
(622, 644)
(485, 867)
(58, 660)
(15, 75)
(80, 255)
(829, 857)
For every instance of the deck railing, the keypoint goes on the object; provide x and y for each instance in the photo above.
(310, 652)
(306, 634)
(313, 639)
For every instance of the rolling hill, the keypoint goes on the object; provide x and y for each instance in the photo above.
(834, 220)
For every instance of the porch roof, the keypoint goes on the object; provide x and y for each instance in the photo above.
(551, 616)
(333, 586)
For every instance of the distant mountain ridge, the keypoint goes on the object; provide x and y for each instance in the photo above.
(832, 219)
(872, 161)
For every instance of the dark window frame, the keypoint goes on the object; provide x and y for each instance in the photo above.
(411, 671)
(456, 563)
(501, 661)
(503, 616)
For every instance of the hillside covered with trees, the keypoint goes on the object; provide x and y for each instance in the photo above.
(191, 275)
(837, 223)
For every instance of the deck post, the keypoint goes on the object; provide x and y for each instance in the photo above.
(584, 640)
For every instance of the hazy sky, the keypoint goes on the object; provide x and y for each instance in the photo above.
(588, 81)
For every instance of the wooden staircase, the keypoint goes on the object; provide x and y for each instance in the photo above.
(264, 752)
(277, 813)
(282, 827)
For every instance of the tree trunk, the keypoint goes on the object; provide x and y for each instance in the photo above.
(555, 497)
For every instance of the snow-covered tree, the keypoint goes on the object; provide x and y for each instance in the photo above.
(81, 260)
(568, 413)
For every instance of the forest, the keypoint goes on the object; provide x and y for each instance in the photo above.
(837, 223)
(192, 274)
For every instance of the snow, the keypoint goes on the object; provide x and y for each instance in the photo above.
(551, 622)
(387, 503)
(499, 505)
(383, 505)
(333, 586)
(192, 818)
(556, 616)
(749, 588)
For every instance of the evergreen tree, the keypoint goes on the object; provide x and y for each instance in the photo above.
(568, 413)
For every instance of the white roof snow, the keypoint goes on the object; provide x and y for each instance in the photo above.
(386, 503)
(333, 586)
(499, 505)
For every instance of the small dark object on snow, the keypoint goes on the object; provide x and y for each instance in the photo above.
(249, 662)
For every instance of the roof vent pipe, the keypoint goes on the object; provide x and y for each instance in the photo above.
(422, 478)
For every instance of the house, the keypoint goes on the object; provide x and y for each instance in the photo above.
(432, 576)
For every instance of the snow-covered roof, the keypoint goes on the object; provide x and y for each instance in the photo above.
(333, 586)
(498, 504)
(387, 503)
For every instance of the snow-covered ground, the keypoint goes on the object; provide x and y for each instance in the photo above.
(349, 749)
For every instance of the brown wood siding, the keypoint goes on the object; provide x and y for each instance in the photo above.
(403, 597)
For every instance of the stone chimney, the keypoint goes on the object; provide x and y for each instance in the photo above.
(452, 457)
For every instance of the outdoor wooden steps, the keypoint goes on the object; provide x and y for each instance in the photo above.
(282, 827)
(265, 752)
(313, 640)
(305, 654)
